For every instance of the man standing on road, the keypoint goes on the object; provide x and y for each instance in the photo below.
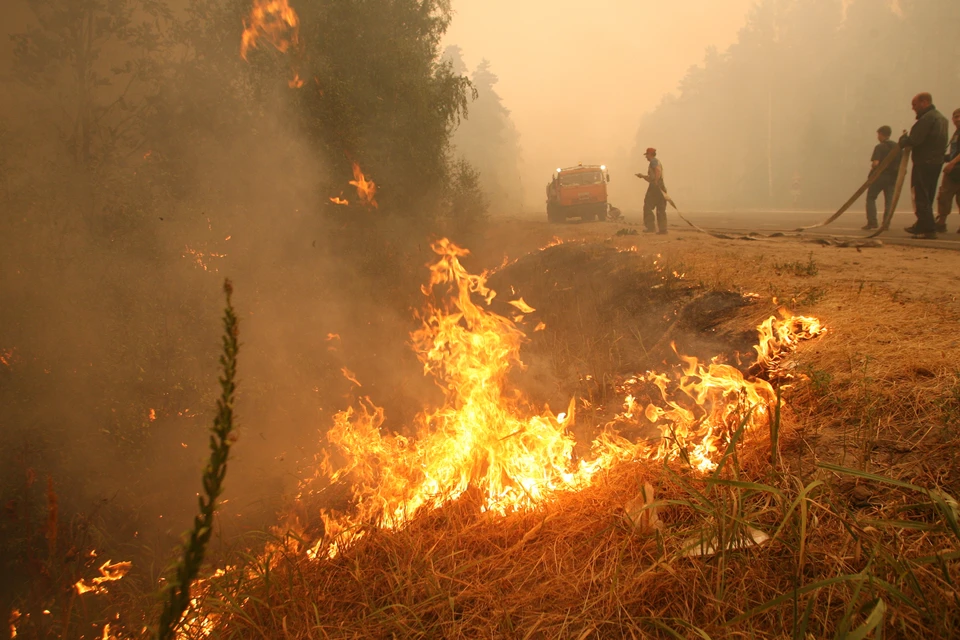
(885, 182)
(654, 198)
(928, 139)
(950, 185)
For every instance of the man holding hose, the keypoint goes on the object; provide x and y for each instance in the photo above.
(928, 140)
(885, 182)
(654, 199)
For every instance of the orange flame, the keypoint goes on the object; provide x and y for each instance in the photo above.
(366, 189)
(777, 336)
(339, 200)
(278, 24)
(108, 573)
(350, 375)
(275, 21)
(485, 441)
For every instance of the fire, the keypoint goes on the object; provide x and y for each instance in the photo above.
(351, 376)
(14, 618)
(275, 21)
(108, 573)
(487, 443)
(7, 356)
(340, 201)
(777, 337)
(366, 189)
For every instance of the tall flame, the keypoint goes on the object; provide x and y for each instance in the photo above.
(486, 442)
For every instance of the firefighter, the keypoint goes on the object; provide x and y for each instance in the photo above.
(928, 139)
(655, 198)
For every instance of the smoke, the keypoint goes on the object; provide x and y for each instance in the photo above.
(771, 104)
(116, 244)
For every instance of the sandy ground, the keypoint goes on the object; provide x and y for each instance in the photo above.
(915, 273)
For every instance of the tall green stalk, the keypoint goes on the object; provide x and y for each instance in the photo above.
(176, 594)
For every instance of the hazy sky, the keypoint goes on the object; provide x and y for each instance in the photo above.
(577, 75)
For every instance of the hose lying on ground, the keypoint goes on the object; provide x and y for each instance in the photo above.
(722, 236)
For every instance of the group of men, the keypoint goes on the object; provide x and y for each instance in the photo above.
(933, 156)
(935, 159)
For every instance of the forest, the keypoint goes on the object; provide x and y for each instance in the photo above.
(786, 118)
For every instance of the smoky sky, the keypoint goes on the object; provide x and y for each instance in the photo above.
(578, 76)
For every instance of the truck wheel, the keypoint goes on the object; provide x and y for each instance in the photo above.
(553, 214)
(601, 216)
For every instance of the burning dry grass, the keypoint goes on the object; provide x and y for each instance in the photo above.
(843, 552)
(764, 546)
(578, 568)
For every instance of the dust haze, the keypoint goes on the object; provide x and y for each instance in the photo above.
(142, 161)
(771, 104)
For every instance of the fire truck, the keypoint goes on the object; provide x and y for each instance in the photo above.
(578, 192)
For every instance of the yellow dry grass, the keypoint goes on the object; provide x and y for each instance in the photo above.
(849, 554)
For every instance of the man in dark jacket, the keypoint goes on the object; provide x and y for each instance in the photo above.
(950, 185)
(928, 139)
(886, 181)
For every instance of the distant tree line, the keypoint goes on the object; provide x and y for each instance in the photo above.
(786, 117)
(488, 139)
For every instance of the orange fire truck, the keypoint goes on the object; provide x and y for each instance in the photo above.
(578, 192)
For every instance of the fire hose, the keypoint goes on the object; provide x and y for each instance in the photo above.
(901, 175)
(878, 170)
(673, 204)
(903, 154)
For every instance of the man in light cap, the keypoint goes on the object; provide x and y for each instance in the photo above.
(950, 186)
(928, 139)
(655, 199)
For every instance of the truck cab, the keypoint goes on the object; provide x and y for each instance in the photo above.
(578, 192)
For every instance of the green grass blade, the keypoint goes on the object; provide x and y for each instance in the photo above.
(869, 476)
(873, 622)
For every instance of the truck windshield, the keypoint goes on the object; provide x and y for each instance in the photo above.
(580, 178)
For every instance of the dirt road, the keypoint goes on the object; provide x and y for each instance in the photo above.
(908, 270)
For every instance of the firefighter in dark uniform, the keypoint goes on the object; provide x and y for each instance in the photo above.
(655, 198)
(928, 139)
